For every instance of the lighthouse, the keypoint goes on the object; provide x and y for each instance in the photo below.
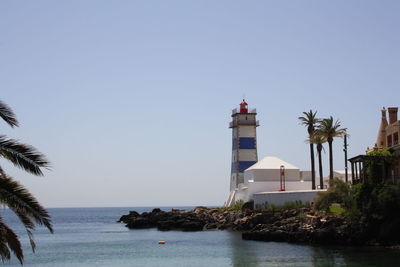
(244, 143)
(270, 180)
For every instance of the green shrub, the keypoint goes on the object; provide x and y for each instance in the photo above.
(369, 202)
(339, 192)
(336, 209)
(378, 201)
(302, 215)
(237, 205)
(374, 166)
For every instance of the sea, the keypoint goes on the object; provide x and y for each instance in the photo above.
(92, 237)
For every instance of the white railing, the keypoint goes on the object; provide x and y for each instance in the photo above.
(235, 110)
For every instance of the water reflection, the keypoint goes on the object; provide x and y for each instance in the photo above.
(256, 253)
(323, 256)
(356, 256)
(241, 251)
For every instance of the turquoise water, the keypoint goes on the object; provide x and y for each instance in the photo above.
(91, 237)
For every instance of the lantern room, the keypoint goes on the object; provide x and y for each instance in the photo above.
(243, 107)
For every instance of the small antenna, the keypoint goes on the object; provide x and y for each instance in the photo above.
(244, 96)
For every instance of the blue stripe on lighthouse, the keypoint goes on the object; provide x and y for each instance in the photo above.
(247, 143)
(243, 165)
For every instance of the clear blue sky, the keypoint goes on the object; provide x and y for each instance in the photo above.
(131, 100)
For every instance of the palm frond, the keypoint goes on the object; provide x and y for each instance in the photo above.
(9, 241)
(4, 250)
(23, 156)
(8, 115)
(29, 227)
(24, 204)
(316, 138)
(330, 128)
(309, 120)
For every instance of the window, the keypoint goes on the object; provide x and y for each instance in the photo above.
(389, 140)
(395, 138)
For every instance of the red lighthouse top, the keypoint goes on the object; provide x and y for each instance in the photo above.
(243, 107)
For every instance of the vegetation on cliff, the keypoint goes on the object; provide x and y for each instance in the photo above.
(373, 206)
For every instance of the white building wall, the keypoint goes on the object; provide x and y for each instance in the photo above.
(274, 186)
(247, 131)
(247, 154)
(284, 197)
(249, 189)
(242, 193)
(271, 174)
(306, 175)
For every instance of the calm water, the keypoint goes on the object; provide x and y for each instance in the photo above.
(90, 237)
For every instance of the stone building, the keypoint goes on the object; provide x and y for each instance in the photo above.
(388, 137)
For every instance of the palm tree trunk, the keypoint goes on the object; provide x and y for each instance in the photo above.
(330, 161)
(321, 175)
(312, 166)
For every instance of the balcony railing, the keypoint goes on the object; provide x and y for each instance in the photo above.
(235, 110)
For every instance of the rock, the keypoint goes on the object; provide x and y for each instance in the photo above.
(210, 226)
(125, 218)
(165, 225)
(284, 226)
(192, 226)
(139, 223)
(249, 205)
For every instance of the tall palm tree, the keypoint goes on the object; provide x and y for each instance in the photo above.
(330, 129)
(310, 120)
(15, 196)
(319, 140)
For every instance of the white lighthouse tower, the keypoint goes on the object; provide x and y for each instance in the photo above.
(244, 145)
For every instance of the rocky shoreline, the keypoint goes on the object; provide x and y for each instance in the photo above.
(300, 225)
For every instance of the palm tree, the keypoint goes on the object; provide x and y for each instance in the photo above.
(330, 129)
(319, 140)
(15, 196)
(310, 120)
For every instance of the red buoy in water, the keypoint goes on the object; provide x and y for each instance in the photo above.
(161, 242)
